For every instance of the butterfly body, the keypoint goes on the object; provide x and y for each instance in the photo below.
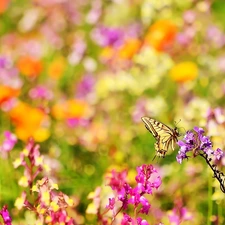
(165, 136)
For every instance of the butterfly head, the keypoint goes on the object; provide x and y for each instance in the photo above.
(176, 132)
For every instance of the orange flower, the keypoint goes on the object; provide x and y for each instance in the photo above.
(3, 5)
(29, 66)
(28, 122)
(7, 92)
(130, 47)
(70, 109)
(56, 68)
(184, 71)
(161, 35)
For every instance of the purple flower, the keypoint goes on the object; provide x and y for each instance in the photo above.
(218, 153)
(195, 141)
(3, 62)
(5, 216)
(181, 156)
(199, 130)
(108, 36)
(85, 86)
(9, 142)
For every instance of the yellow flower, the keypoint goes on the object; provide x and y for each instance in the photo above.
(17, 162)
(184, 71)
(107, 53)
(56, 68)
(19, 203)
(72, 108)
(45, 197)
(130, 48)
(34, 188)
(23, 181)
(54, 206)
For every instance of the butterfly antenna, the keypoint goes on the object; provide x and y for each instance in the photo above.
(177, 122)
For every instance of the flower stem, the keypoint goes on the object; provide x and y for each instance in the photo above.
(217, 174)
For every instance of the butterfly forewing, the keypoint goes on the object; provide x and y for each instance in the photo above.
(165, 136)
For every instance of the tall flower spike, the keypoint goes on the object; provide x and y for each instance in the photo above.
(195, 141)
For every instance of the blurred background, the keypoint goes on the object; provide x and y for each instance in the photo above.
(78, 75)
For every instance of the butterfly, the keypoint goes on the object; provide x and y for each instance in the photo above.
(165, 136)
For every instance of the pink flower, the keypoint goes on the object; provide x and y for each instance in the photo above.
(177, 215)
(40, 92)
(9, 142)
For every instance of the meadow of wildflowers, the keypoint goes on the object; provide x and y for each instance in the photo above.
(76, 76)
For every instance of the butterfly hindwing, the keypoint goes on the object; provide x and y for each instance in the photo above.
(165, 136)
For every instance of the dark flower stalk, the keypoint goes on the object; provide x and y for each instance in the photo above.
(195, 141)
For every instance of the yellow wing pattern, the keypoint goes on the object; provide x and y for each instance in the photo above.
(165, 136)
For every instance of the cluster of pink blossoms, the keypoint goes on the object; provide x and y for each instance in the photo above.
(147, 180)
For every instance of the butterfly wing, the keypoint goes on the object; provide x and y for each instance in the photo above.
(164, 135)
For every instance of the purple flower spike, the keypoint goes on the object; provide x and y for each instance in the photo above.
(201, 145)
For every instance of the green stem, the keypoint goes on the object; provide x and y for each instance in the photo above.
(210, 202)
(220, 214)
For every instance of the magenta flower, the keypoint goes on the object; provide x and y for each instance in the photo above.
(117, 180)
(9, 142)
(5, 215)
(3, 62)
(108, 36)
(178, 215)
(74, 122)
(111, 204)
(140, 221)
(40, 92)
(147, 180)
(126, 219)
